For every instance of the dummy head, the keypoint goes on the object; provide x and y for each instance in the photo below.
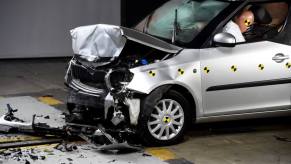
(244, 20)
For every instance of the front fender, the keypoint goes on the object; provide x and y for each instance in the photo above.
(183, 70)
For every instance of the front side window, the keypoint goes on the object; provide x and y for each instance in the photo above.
(257, 22)
(192, 17)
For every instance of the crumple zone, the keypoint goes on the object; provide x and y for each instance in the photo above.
(119, 94)
(117, 79)
(98, 78)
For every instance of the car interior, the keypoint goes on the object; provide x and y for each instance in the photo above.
(270, 19)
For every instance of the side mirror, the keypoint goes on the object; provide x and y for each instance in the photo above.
(224, 40)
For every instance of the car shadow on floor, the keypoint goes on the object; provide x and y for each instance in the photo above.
(241, 126)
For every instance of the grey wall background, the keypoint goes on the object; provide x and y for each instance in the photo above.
(40, 28)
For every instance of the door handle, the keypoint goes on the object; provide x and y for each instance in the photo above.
(279, 58)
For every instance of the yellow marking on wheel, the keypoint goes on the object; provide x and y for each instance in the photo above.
(261, 67)
(233, 68)
(49, 100)
(167, 119)
(288, 65)
(152, 73)
(161, 153)
(206, 70)
(181, 71)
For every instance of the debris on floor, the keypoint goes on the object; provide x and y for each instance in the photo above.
(95, 135)
(284, 139)
(26, 156)
(65, 147)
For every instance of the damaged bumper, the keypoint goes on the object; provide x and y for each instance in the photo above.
(101, 97)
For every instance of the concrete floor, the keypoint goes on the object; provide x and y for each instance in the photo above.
(241, 142)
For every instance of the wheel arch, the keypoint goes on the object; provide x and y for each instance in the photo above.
(186, 93)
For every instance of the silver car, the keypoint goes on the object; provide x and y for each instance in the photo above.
(178, 65)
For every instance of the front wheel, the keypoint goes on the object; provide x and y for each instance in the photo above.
(165, 122)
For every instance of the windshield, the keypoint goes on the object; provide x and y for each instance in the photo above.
(192, 17)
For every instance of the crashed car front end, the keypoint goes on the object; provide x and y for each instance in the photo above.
(100, 76)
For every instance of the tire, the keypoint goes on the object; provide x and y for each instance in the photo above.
(151, 123)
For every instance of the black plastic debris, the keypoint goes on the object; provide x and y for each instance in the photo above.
(10, 114)
(146, 155)
(47, 117)
(82, 156)
(65, 147)
(114, 160)
(284, 139)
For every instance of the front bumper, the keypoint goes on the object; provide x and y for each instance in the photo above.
(91, 89)
(82, 89)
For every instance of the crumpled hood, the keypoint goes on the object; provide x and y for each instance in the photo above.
(99, 41)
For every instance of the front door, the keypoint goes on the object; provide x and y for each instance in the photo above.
(251, 77)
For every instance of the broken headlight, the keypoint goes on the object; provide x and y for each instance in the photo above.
(116, 80)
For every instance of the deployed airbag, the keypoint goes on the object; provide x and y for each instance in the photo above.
(97, 41)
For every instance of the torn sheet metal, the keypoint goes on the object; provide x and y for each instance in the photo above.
(109, 102)
(134, 110)
(97, 41)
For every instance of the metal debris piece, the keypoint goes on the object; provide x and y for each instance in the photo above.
(119, 146)
(10, 121)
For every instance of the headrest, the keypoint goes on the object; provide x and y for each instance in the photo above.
(262, 16)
